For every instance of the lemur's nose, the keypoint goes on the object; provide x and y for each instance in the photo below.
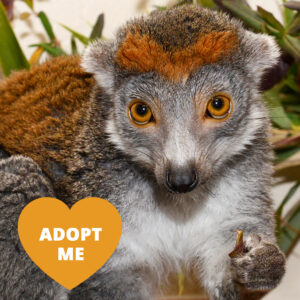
(182, 180)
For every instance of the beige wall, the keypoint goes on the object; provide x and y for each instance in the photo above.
(80, 15)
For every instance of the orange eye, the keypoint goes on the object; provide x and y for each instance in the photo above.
(140, 113)
(219, 107)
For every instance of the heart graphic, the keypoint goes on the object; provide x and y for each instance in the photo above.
(69, 245)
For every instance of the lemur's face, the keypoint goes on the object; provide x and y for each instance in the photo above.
(185, 132)
(183, 83)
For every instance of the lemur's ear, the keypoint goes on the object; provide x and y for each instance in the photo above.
(97, 59)
(260, 52)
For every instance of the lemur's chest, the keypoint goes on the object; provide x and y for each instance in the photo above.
(150, 233)
(154, 234)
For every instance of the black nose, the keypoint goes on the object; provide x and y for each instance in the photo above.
(182, 181)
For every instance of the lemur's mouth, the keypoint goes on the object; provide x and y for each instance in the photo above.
(181, 181)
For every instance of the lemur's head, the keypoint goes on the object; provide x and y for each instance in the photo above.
(184, 84)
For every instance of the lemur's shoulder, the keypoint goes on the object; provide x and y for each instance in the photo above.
(40, 110)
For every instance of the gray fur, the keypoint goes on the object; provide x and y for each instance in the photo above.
(126, 165)
(20, 279)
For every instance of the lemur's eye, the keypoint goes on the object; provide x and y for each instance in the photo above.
(219, 107)
(140, 113)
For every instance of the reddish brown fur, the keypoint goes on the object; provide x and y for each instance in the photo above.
(40, 109)
(140, 53)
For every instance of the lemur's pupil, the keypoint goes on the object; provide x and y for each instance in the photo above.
(141, 109)
(217, 103)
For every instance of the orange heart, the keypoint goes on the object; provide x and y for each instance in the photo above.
(48, 229)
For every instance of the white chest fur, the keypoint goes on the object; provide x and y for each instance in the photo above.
(152, 237)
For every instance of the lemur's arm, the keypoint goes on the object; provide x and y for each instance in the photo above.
(21, 181)
(248, 276)
(259, 265)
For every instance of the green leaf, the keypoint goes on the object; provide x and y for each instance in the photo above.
(282, 155)
(84, 40)
(289, 237)
(288, 15)
(288, 196)
(98, 28)
(160, 7)
(47, 25)
(74, 46)
(291, 81)
(270, 19)
(291, 45)
(11, 54)
(183, 2)
(36, 55)
(294, 108)
(29, 4)
(294, 26)
(268, 29)
(52, 50)
(294, 118)
(207, 3)
(276, 111)
(245, 13)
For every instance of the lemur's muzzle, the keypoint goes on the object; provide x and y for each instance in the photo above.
(181, 180)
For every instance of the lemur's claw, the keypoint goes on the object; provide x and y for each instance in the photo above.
(262, 265)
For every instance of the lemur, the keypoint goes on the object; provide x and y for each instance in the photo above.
(166, 122)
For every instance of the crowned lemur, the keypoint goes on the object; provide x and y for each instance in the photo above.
(166, 122)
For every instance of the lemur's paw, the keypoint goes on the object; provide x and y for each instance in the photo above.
(261, 267)
(21, 174)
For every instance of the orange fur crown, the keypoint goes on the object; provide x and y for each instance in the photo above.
(177, 45)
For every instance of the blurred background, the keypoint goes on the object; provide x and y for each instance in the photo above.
(66, 26)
